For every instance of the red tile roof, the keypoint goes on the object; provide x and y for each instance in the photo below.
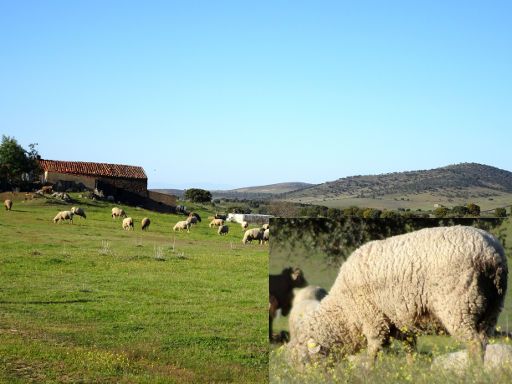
(93, 169)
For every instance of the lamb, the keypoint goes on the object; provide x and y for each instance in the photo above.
(144, 224)
(216, 223)
(253, 234)
(64, 215)
(305, 301)
(223, 230)
(118, 212)
(244, 224)
(281, 291)
(266, 235)
(181, 225)
(454, 276)
(128, 223)
(79, 212)
(8, 204)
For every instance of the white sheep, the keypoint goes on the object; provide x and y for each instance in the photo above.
(128, 223)
(266, 235)
(453, 276)
(8, 204)
(223, 230)
(118, 212)
(64, 215)
(305, 300)
(144, 224)
(181, 225)
(253, 234)
(79, 212)
(244, 224)
(192, 219)
(216, 223)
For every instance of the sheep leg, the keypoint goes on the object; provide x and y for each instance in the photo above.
(376, 335)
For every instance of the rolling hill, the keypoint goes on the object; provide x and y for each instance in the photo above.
(452, 184)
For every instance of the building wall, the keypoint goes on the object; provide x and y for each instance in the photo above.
(163, 198)
(139, 186)
(88, 181)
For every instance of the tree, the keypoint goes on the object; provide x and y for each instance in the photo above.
(17, 165)
(473, 209)
(440, 212)
(459, 211)
(198, 195)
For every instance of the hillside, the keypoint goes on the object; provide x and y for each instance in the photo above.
(262, 192)
(450, 184)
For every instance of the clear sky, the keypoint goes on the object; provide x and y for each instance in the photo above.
(222, 94)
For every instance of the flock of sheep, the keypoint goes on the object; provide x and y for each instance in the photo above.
(449, 279)
(260, 234)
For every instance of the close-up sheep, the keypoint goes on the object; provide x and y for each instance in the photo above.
(128, 223)
(8, 204)
(62, 216)
(144, 224)
(182, 225)
(79, 212)
(253, 234)
(454, 276)
(280, 289)
(223, 230)
(118, 212)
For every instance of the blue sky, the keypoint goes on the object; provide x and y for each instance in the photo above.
(222, 94)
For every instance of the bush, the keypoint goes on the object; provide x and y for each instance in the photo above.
(197, 195)
(500, 212)
(473, 209)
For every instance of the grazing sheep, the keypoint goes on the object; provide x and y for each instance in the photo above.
(145, 223)
(219, 216)
(181, 225)
(118, 212)
(192, 219)
(280, 289)
(266, 235)
(223, 230)
(79, 212)
(8, 204)
(216, 223)
(244, 224)
(305, 301)
(454, 276)
(253, 234)
(196, 215)
(64, 215)
(128, 223)
(265, 226)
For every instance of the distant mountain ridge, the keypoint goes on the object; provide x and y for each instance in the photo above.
(438, 180)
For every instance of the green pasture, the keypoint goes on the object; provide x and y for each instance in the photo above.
(393, 365)
(89, 302)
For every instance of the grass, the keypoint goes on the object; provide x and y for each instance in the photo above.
(392, 366)
(90, 302)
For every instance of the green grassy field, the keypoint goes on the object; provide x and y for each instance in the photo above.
(392, 366)
(90, 302)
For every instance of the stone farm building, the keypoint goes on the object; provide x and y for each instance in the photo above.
(126, 183)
